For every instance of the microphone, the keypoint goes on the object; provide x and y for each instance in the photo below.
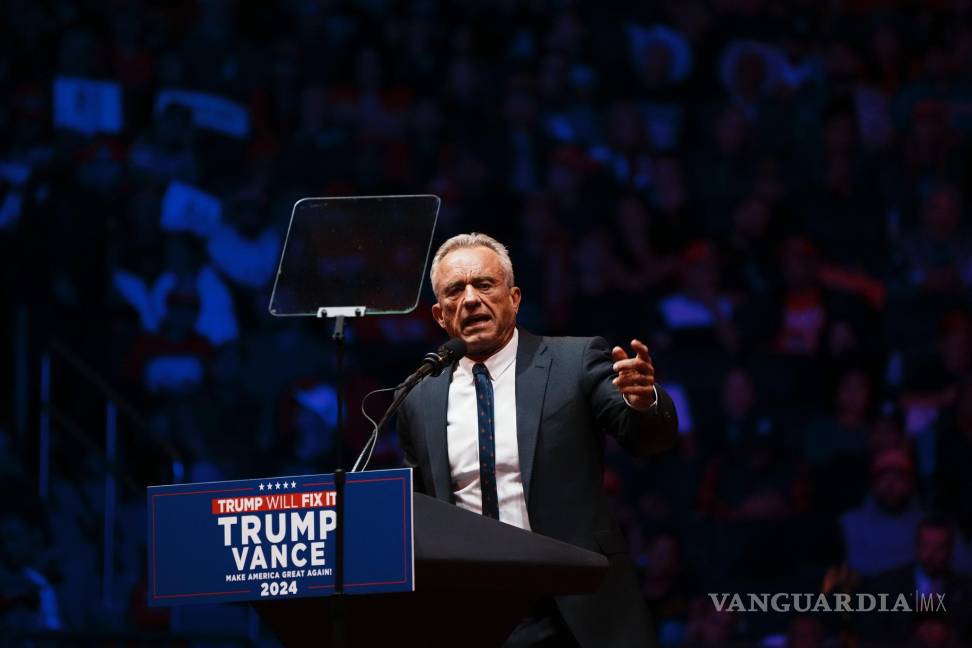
(433, 363)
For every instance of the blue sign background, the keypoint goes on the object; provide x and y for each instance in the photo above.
(188, 561)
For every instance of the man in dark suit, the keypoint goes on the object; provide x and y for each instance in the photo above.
(514, 430)
(931, 577)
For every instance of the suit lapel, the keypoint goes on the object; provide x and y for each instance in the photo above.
(436, 404)
(532, 370)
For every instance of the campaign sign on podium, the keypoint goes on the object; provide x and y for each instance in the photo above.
(259, 539)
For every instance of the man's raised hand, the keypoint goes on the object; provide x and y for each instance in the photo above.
(636, 376)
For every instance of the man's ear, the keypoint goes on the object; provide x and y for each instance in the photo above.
(437, 314)
(515, 296)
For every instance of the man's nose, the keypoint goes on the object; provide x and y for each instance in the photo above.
(470, 297)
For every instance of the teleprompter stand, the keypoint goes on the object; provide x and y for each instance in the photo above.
(338, 627)
(368, 250)
(475, 579)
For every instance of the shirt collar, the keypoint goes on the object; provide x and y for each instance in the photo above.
(498, 363)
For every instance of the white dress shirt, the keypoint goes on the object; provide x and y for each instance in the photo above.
(462, 428)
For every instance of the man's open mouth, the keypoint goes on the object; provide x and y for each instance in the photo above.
(474, 319)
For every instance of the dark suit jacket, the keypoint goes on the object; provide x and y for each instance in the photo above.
(957, 588)
(565, 402)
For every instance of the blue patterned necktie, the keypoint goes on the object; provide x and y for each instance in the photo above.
(487, 441)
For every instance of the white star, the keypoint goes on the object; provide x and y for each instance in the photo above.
(278, 486)
(261, 485)
(293, 484)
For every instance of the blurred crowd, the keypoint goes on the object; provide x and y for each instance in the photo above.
(775, 195)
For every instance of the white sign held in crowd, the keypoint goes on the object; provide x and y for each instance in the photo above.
(87, 106)
(209, 111)
(188, 209)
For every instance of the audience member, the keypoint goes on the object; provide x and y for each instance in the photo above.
(880, 534)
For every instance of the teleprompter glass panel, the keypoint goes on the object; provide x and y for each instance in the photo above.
(368, 251)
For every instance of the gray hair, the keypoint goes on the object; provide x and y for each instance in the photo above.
(471, 240)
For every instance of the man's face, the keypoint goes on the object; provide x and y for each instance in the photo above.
(854, 392)
(934, 549)
(475, 303)
(893, 489)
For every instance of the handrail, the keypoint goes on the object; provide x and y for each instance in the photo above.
(114, 403)
(70, 425)
(94, 378)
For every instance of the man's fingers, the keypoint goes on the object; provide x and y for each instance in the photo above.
(631, 379)
(633, 364)
(640, 348)
(640, 372)
(635, 376)
(638, 391)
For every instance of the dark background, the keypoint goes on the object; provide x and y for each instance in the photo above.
(773, 195)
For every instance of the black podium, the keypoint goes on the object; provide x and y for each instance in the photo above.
(467, 568)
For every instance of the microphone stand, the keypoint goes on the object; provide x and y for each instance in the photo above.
(433, 365)
(406, 388)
